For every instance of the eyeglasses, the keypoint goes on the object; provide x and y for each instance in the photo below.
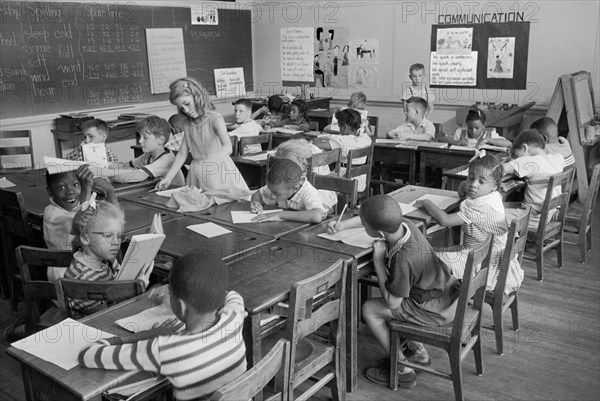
(112, 237)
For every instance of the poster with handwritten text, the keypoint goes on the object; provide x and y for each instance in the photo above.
(229, 82)
(454, 69)
(297, 54)
(166, 57)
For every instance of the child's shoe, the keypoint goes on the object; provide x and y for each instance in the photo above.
(381, 375)
(416, 353)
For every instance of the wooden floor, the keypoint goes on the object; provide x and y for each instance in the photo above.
(554, 356)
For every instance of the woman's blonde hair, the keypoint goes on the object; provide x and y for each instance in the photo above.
(189, 86)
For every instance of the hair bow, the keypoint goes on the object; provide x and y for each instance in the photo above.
(91, 203)
(478, 154)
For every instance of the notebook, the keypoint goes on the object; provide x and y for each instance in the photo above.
(355, 236)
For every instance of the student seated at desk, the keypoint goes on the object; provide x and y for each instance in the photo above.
(348, 139)
(94, 131)
(554, 143)
(270, 113)
(358, 102)
(288, 188)
(416, 287)
(532, 162)
(298, 119)
(245, 125)
(156, 159)
(416, 127)
(176, 123)
(480, 214)
(208, 354)
(475, 134)
(299, 151)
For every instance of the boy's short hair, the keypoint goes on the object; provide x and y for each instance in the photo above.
(245, 102)
(159, 127)
(416, 67)
(52, 178)
(97, 123)
(545, 126)
(284, 171)
(176, 122)
(274, 103)
(531, 138)
(491, 164)
(358, 100)
(382, 213)
(349, 117)
(476, 115)
(419, 103)
(200, 279)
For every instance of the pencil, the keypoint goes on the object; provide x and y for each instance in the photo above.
(341, 215)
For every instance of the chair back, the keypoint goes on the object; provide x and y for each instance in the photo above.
(313, 125)
(516, 240)
(276, 363)
(353, 170)
(33, 263)
(564, 180)
(373, 125)
(468, 317)
(107, 291)
(16, 151)
(347, 187)
(327, 290)
(591, 198)
(235, 150)
(325, 158)
(265, 138)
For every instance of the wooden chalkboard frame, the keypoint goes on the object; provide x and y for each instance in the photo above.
(80, 79)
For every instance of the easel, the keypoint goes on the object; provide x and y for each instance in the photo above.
(574, 93)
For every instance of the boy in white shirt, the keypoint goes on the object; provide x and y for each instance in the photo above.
(245, 125)
(419, 88)
(416, 127)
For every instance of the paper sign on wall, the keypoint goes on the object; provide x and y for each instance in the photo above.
(297, 54)
(166, 57)
(230, 82)
(454, 69)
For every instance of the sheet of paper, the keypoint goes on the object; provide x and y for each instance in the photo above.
(355, 236)
(208, 230)
(464, 172)
(6, 183)
(55, 165)
(406, 208)
(258, 157)
(440, 145)
(458, 147)
(385, 140)
(168, 192)
(146, 319)
(60, 344)
(495, 148)
(440, 201)
(238, 217)
(95, 153)
(288, 131)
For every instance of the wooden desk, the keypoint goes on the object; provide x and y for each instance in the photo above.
(75, 137)
(180, 240)
(389, 153)
(221, 214)
(323, 117)
(280, 137)
(506, 122)
(442, 158)
(316, 103)
(254, 172)
(410, 193)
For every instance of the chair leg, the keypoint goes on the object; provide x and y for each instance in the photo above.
(477, 355)
(559, 251)
(498, 329)
(539, 259)
(456, 373)
(338, 384)
(394, 359)
(514, 310)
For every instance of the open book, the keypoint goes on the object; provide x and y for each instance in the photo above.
(354, 236)
(139, 258)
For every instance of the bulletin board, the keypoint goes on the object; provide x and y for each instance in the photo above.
(491, 55)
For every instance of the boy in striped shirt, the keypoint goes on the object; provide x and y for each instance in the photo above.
(204, 357)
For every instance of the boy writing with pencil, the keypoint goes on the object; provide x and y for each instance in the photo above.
(208, 354)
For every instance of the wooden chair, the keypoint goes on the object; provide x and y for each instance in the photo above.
(108, 291)
(347, 187)
(356, 170)
(235, 150)
(579, 218)
(254, 140)
(373, 125)
(497, 299)
(458, 339)
(314, 303)
(275, 364)
(15, 230)
(549, 233)
(16, 150)
(325, 158)
(33, 263)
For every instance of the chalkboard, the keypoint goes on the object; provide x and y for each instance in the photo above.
(60, 57)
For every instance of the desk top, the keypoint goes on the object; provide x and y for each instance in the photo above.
(180, 240)
(410, 193)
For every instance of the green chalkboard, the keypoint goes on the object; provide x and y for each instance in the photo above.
(61, 57)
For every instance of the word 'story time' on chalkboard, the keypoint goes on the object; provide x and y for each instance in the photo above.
(62, 57)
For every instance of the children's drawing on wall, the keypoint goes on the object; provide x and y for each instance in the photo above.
(364, 51)
(501, 58)
(204, 16)
(363, 76)
(454, 40)
(330, 61)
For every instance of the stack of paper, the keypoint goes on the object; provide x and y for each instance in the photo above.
(354, 236)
